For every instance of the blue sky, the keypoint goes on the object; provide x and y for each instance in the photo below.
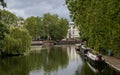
(26, 8)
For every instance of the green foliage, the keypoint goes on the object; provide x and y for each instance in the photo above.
(98, 21)
(56, 28)
(17, 42)
(60, 30)
(13, 39)
(3, 30)
(8, 18)
(47, 27)
(35, 27)
(2, 3)
(45, 59)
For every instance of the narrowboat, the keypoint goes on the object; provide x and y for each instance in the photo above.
(77, 47)
(96, 69)
(95, 58)
(84, 49)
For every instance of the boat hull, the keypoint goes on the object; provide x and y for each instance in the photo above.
(95, 62)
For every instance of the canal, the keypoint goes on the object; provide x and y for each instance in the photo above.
(57, 60)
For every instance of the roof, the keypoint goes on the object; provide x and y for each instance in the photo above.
(71, 23)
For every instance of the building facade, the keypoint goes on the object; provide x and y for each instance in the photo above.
(73, 31)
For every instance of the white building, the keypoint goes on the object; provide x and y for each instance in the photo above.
(73, 31)
(20, 23)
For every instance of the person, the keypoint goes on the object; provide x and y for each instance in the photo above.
(109, 52)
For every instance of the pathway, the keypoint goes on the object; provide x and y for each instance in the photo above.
(113, 62)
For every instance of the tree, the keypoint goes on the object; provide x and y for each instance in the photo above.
(18, 41)
(50, 22)
(61, 29)
(47, 27)
(3, 3)
(3, 30)
(56, 27)
(41, 28)
(13, 40)
(98, 22)
(8, 18)
(32, 27)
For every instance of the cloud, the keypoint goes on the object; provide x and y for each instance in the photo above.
(26, 8)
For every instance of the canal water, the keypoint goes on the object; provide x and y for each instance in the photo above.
(56, 60)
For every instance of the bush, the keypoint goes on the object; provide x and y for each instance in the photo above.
(17, 42)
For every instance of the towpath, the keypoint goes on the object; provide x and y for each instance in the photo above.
(113, 62)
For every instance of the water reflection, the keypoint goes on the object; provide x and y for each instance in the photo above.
(14, 66)
(89, 69)
(96, 69)
(58, 60)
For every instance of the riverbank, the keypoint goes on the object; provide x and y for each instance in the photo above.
(112, 62)
(52, 42)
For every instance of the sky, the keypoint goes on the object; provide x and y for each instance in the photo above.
(27, 8)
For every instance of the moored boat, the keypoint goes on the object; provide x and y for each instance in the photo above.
(77, 47)
(84, 49)
(96, 69)
(95, 58)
